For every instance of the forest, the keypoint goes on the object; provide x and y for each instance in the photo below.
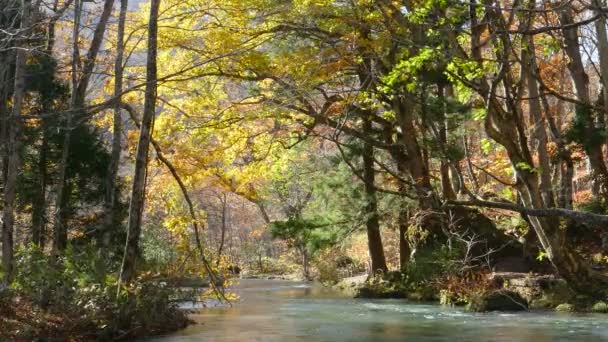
(434, 150)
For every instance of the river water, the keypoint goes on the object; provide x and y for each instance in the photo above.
(276, 310)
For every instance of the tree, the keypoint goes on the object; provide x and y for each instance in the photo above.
(14, 136)
(131, 254)
(80, 82)
(111, 191)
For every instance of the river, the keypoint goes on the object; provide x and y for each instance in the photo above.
(277, 310)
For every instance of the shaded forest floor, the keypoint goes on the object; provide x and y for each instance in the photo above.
(22, 320)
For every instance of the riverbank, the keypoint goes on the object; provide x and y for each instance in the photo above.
(496, 291)
(270, 276)
(143, 313)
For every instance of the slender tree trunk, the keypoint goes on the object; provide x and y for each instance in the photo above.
(39, 203)
(111, 191)
(79, 87)
(223, 233)
(136, 207)
(416, 164)
(374, 239)
(444, 168)
(6, 89)
(404, 246)
(589, 135)
(60, 236)
(467, 154)
(305, 261)
(566, 165)
(263, 211)
(7, 59)
(14, 136)
(539, 126)
(602, 43)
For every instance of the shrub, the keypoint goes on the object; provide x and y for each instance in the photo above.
(81, 288)
(565, 307)
(600, 307)
(327, 268)
(40, 281)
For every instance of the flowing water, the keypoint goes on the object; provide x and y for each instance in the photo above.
(276, 310)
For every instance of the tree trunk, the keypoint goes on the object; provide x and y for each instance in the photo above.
(404, 246)
(602, 44)
(136, 206)
(111, 191)
(504, 126)
(374, 239)
(14, 136)
(223, 233)
(79, 87)
(305, 262)
(39, 203)
(444, 168)
(7, 59)
(588, 134)
(60, 236)
(415, 164)
(539, 126)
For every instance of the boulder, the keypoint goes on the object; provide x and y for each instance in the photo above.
(499, 300)
(565, 307)
(540, 291)
(600, 307)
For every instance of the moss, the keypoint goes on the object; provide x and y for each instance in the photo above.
(600, 307)
(500, 300)
(565, 307)
(381, 289)
(552, 293)
(395, 285)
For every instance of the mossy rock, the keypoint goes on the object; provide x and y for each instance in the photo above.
(600, 307)
(565, 307)
(500, 300)
(346, 287)
(379, 290)
(552, 293)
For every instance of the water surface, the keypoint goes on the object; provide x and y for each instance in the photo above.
(276, 310)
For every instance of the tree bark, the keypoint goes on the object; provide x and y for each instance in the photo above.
(224, 201)
(538, 121)
(374, 239)
(404, 246)
(136, 206)
(79, 87)
(39, 204)
(111, 191)
(444, 168)
(589, 136)
(602, 48)
(60, 234)
(504, 126)
(416, 165)
(14, 136)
